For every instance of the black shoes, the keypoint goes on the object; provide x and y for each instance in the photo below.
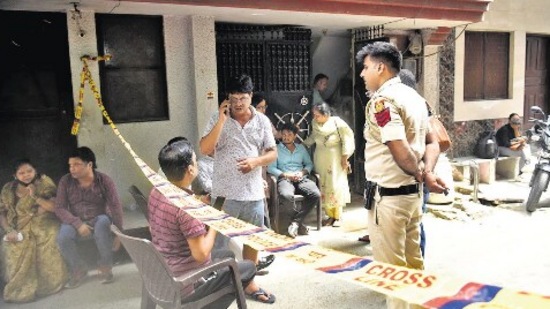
(106, 274)
(77, 277)
(331, 222)
(365, 239)
(265, 261)
(303, 230)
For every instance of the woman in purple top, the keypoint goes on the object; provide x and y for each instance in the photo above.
(184, 241)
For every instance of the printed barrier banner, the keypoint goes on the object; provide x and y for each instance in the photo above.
(414, 286)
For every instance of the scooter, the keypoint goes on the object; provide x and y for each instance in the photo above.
(540, 134)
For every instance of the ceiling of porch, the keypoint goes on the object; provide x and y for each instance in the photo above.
(324, 14)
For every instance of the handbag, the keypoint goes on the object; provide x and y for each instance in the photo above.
(348, 168)
(439, 130)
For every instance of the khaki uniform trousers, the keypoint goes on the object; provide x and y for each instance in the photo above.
(394, 229)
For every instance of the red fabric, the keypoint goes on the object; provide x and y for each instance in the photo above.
(383, 117)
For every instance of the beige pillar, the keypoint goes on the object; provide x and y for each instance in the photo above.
(430, 76)
(83, 41)
(205, 70)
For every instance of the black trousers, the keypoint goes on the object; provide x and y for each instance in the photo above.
(305, 187)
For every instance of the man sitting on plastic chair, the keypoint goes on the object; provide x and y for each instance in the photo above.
(184, 241)
(291, 168)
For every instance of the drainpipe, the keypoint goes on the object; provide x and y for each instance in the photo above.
(474, 169)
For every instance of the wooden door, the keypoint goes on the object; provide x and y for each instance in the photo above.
(36, 104)
(536, 75)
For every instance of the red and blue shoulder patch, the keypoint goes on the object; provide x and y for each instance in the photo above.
(381, 112)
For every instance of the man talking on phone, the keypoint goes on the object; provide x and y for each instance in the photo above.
(243, 142)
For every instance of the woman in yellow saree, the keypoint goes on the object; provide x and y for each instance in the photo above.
(34, 265)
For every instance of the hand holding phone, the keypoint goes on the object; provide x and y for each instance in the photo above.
(224, 108)
(218, 204)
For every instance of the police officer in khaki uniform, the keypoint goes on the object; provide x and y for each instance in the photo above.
(396, 158)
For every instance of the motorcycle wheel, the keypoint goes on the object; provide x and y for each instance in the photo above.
(539, 185)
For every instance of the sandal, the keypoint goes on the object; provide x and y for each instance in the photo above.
(262, 272)
(365, 239)
(328, 222)
(259, 293)
(265, 262)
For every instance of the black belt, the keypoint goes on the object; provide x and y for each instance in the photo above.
(403, 190)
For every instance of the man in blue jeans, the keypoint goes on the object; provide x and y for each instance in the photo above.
(87, 203)
(291, 168)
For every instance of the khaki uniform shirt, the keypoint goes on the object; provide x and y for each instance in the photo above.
(402, 116)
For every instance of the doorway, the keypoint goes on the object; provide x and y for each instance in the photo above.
(36, 102)
(536, 76)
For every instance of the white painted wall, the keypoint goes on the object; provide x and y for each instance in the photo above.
(331, 56)
(191, 73)
(519, 18)
(205, 70)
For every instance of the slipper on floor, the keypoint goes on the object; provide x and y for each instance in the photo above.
(265, 262)
(365, 239)
(262, 272)
(261, 292)
(328, 221)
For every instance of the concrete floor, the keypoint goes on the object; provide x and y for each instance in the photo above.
(316, 289)
(483, 250)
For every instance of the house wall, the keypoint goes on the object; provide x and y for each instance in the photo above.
(331, 56)
(190, 68)
(519, 18)
(191, 78)
(463, 134)
(190, 55)
(465, 121)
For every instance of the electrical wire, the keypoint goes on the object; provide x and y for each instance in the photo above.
(444, 46)
(114, 7)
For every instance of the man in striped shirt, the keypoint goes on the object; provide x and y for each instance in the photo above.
(184, 241)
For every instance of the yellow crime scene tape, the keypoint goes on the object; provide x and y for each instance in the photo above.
(411, 285)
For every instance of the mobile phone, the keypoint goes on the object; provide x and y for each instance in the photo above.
(218, 204)
(227, 109)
